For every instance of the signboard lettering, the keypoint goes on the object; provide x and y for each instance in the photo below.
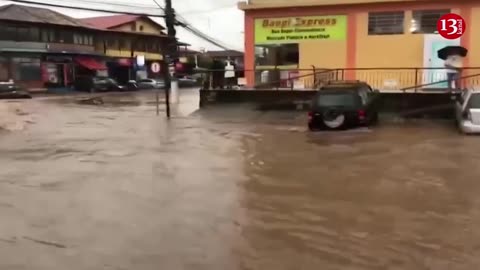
(298, 29)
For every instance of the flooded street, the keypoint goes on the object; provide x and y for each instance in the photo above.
(113, 186)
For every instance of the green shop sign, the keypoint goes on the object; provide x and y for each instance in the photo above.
(298, 29)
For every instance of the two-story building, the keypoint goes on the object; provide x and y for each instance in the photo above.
(127, 37)
(41, 48)
(354, 35)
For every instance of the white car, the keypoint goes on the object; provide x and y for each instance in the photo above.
(151, 83)
(467, 112)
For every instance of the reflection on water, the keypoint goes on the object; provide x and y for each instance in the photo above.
(229, 188)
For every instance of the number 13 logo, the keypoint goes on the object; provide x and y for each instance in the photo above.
(451, 26)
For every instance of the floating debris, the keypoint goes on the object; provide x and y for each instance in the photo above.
(45, 242)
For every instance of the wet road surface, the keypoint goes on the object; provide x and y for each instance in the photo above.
(115, 187)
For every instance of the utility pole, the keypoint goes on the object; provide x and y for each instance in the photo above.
(171, 50)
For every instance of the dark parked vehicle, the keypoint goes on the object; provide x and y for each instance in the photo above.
(9, 90)
(340, 105)
(97, 84)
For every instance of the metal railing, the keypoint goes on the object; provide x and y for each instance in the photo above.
(395, 79)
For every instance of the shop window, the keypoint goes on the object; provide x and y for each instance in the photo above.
(44, 35)
(85, 39)
(3, 69)
(140, 46)
(386, 23)
(152, 46)
(111, 42)
(7, 32)
(27, 69)
(34, 34)
(276, 55)
(51, 36)
(10, 33)
(124, 44)
(19, 33)
(425, 21)
(77, 39)
(65, 37)
(22, 34)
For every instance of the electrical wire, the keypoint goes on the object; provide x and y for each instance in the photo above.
(123, 4)
(87, 8)
(195, 31)
(197, 12)
(149, 7)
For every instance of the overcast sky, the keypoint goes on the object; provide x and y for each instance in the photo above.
(218, 18)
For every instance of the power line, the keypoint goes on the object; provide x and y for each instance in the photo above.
(116, 4)
(195, 12)
(87, 9)
(195, 31)
(191, 12)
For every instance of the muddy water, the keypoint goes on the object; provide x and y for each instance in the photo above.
(114, 187)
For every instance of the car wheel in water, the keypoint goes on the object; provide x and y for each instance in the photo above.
(333, 119)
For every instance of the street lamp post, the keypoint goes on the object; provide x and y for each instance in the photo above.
(171, 51)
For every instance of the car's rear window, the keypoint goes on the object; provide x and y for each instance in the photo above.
(474, 101)
(338, 99)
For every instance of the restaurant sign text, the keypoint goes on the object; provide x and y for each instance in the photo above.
(298, 29)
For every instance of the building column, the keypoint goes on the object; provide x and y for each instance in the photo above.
(466, 13)
(249, 56)
(350, 74)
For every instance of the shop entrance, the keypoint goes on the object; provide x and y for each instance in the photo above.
(433, 43)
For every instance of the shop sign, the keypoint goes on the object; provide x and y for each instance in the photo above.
(140, 60)
(298, 29)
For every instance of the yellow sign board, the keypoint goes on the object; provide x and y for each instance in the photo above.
(298, 29)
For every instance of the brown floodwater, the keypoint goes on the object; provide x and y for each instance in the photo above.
(113, 186)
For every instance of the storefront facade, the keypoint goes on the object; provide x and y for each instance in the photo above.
(350, 35)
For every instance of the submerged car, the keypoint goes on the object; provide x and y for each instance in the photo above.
(467, 112)
(97, 84)
(9, 90)
(151, 84)
(342, 105)
(104, 84)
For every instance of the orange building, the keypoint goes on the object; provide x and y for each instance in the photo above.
(357, 36)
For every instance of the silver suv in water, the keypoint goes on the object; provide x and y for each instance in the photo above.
(467, 112)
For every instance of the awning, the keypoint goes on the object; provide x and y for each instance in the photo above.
(90, 63)
(124, 62)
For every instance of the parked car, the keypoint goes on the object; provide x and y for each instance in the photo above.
(151, 84)
(187, 82)
(340, 105)
(9, 90)
(97, 84)
(102, 84)
(467, 112)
